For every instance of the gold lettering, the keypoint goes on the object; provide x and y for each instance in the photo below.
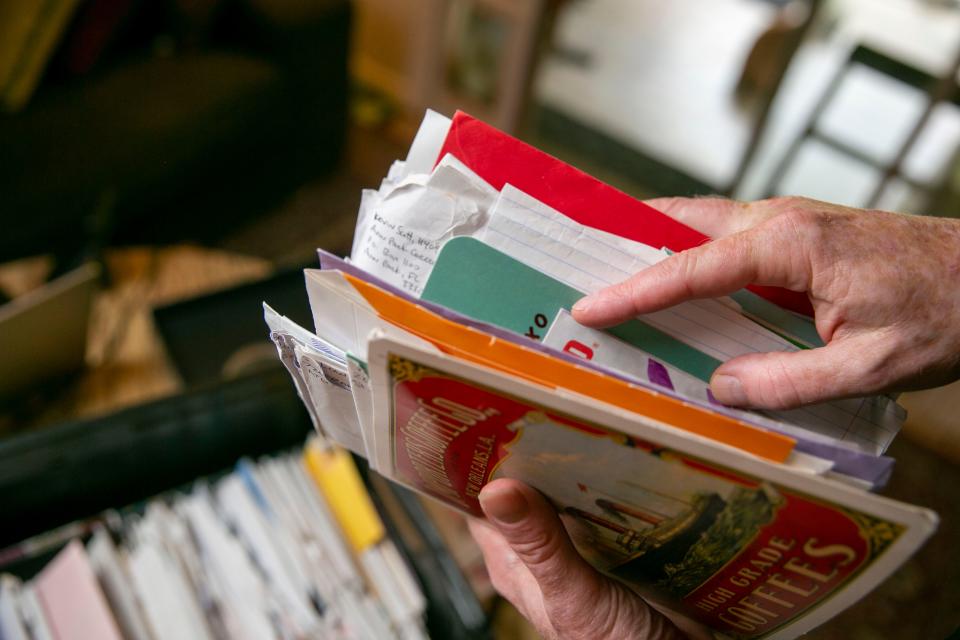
(719, 596)
(457, 409)
(738, 624)
(830, 550)
(780, 543)
(771, 555)
(746, 614)
(804, 569)
(749, 574)
(753, 606)
(452, 420)
(760, 592)
(778, 580)
(429, 423)
(426, 438)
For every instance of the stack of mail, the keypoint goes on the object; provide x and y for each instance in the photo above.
(289, 547)
(444, 351)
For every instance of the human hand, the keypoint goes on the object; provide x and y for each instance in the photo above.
(533, 564)
(885, 288)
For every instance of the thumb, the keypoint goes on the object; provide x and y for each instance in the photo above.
(577, 601)
(533, 530)
(779, 380)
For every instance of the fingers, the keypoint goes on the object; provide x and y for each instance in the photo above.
(554, 587)
(713, 216)
(768, 254)
(532, 529)
(787, 380)
(507, 573)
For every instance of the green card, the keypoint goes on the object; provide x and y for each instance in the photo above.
(799, 331)
(486, 284)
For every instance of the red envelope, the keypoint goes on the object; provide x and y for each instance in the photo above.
(499, 158)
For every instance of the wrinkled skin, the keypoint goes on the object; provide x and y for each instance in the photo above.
(886, 291)
(533, 564)
(885, 288)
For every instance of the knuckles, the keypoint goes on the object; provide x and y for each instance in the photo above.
(682, 269)
(781, 204)
(807, 217)
(537, 546)
(777, 386)
(801, 218)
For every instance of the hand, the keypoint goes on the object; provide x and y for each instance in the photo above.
(885, 288)
(533, 564)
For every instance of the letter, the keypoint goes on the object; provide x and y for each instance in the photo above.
(778, 580)
(429, 423)
(463, 413)
(770, 554)
(760, 592)
(576, 348)
(429, 453)
(804, 569)
(432, 418)
(739, 581)
(454, 406)
(427, 441)
(761, 564)
(829, 550)
(738, 624)
(753, 606)
(746, 614)
(749, 574)
(780, 543)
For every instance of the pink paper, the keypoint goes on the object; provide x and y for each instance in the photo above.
(72, 601)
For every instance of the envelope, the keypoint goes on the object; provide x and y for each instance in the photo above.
(362, 318)
(476, 346)
(500, 159)
(483, 283)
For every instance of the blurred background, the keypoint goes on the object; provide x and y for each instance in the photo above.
(165, 165)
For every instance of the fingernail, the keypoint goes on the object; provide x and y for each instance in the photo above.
(503, 504)
(584, 305)
(729, 390)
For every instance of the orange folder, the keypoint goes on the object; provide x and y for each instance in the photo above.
(472, 345)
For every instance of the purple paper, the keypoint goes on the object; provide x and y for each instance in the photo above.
(712, 399)
(658, 374)
(864, 466)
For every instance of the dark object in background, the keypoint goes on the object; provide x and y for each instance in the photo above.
(60, 473)
(177, 127)
(204, 334)
(453, 610)
(52, 476)
(43, 333)
(76, 470)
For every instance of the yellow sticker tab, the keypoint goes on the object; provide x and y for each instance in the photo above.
(340, 483)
